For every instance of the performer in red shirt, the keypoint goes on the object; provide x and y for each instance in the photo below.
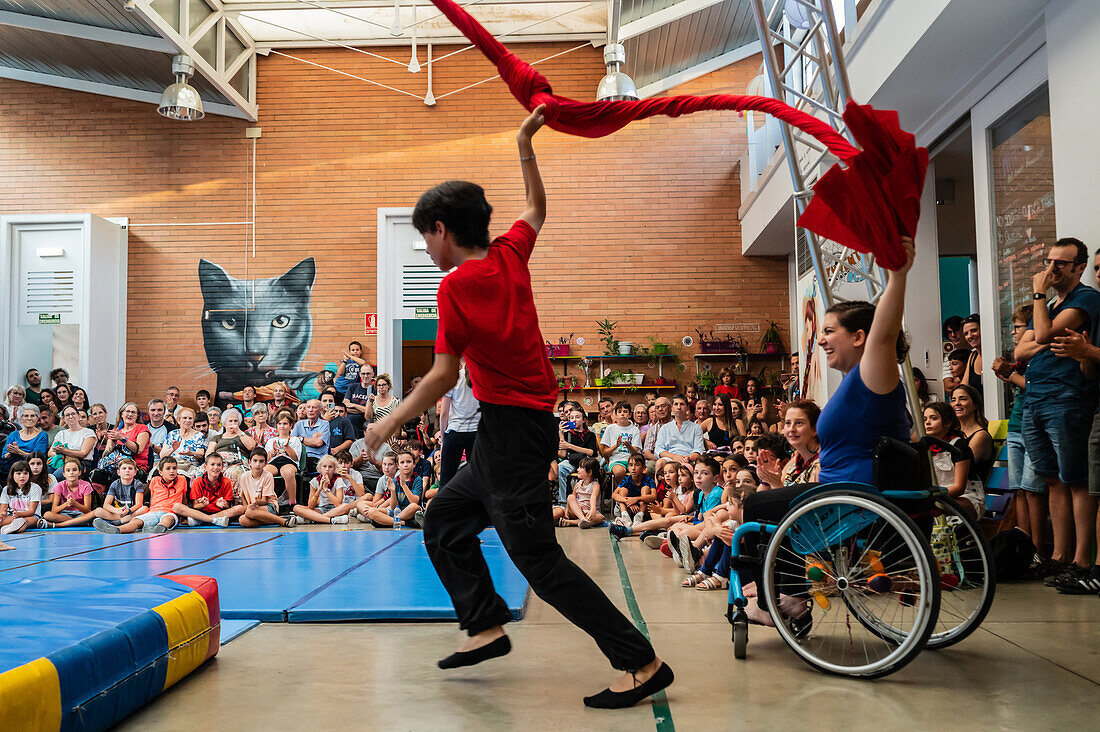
(487, 314)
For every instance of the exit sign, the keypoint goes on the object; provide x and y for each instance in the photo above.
(427, 313)
(49, 318)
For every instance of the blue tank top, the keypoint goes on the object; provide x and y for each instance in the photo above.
(852, 422)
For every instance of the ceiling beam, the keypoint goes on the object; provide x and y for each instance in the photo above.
(233, 8)
(382, 41)
(706, 67)
(184, 45)
(653, 21)
(85, 32)
(108, 90)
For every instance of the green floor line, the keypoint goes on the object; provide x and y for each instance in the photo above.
(662, 714)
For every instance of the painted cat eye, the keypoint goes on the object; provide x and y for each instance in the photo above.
(229, 323)
(280, 321)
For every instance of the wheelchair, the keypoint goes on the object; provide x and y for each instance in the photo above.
(883, 571)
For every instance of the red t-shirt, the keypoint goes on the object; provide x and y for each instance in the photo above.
(733, 391)
(487, 313)
(201, 487)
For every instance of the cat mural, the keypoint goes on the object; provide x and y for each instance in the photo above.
(257, 331)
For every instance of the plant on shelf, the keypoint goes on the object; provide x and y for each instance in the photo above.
(657, 348)
(707, 381)
(770, 341)
(710, 343)
(561, 348)
(607, 335)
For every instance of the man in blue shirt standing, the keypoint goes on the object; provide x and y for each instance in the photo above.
(314, 433)
(1060, 402)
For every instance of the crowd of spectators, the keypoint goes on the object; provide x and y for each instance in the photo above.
(673, 471)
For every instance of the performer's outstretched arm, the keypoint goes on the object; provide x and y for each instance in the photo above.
(535, 214)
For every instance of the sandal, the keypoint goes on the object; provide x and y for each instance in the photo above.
(694, 580)
(714, 582)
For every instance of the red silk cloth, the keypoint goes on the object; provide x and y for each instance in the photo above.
(867, 206)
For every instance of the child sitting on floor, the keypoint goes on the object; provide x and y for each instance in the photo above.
(166, 490)
(211, 497)
(709, 496)
(125, 498)
(21, 501)
(405, 501)
(654, 531)
(636, 491)
(582, 507)
(72, 498)
(714, 573)
(326, 496)
(257, 495)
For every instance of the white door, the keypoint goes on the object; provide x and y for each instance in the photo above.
(407, 284)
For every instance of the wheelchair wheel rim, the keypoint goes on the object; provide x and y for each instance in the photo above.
(857, 630)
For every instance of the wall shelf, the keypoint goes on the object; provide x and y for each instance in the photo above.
(705, 356)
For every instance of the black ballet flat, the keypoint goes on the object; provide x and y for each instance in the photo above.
(608, 699)
(499, 647)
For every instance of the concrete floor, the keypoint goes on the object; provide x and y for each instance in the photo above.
(1034, 665)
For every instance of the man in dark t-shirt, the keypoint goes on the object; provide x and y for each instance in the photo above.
(487, 314)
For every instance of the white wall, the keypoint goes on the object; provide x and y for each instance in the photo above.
(1073, 57)
(922, 292)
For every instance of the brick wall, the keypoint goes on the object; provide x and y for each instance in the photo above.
(642, 225)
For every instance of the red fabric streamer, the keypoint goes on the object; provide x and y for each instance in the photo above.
(866, 206)
(872, 203)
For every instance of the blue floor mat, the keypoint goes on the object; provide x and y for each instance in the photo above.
(355, 574)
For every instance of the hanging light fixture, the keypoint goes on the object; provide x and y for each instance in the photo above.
(615, 85)
(181, 101)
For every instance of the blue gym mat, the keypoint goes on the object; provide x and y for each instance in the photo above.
(309, 576)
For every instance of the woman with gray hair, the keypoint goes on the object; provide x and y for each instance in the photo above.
(15, 399)
(21, 443)
(130, 440)
(233, 445)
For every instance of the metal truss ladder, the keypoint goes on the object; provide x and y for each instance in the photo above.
(812, 77)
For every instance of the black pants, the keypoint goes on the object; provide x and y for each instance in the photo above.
(453, 445)
(504, 484)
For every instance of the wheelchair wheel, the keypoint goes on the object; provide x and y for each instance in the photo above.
(740, 638)
(967, 576)
(868, 577)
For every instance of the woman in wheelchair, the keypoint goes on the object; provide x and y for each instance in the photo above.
(865, 343)
(954, 467)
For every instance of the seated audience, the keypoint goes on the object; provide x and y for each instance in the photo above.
(248, 400)
(582, 508)
(967, 403)
(662, 415)
(772, 453)
(326, 495)
(72, 498)
(714, 572)
(263, 428)
(404, 500)
(383, 401)
(606, 408)
(171, 403)
(681, 440)
(186, 444)
(284, 452)
(72, 442)
(34, 386)
(40, 474)
(727, 384)
(233, 445)
(634, 493)
(21, 443)
(158, 424)
(59, 376)
(64, 394)
(347, 373)
(47, 422)
(953, 341)
(619, 441)
(357, 396)
(314, 434)
(166, 491)
(202, 400)
(800, 430)
(211, 495)
(954, 469)
(701, 412)
(681, 536)
(718, 429)
(21, 501)
(640, 416)
(575, 443)
(214, 419)
(256, 491)
(738, 417)
(757, 406)
(125, 499)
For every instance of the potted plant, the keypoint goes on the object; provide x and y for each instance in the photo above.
(657, 348)
(770, 341)
(707, 381)
(559, 349)
(625, 348)
(607, 335)
(710, 343)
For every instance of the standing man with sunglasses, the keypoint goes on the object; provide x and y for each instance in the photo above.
(1059, 404)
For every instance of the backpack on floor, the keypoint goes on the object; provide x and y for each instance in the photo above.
(1013, 553)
